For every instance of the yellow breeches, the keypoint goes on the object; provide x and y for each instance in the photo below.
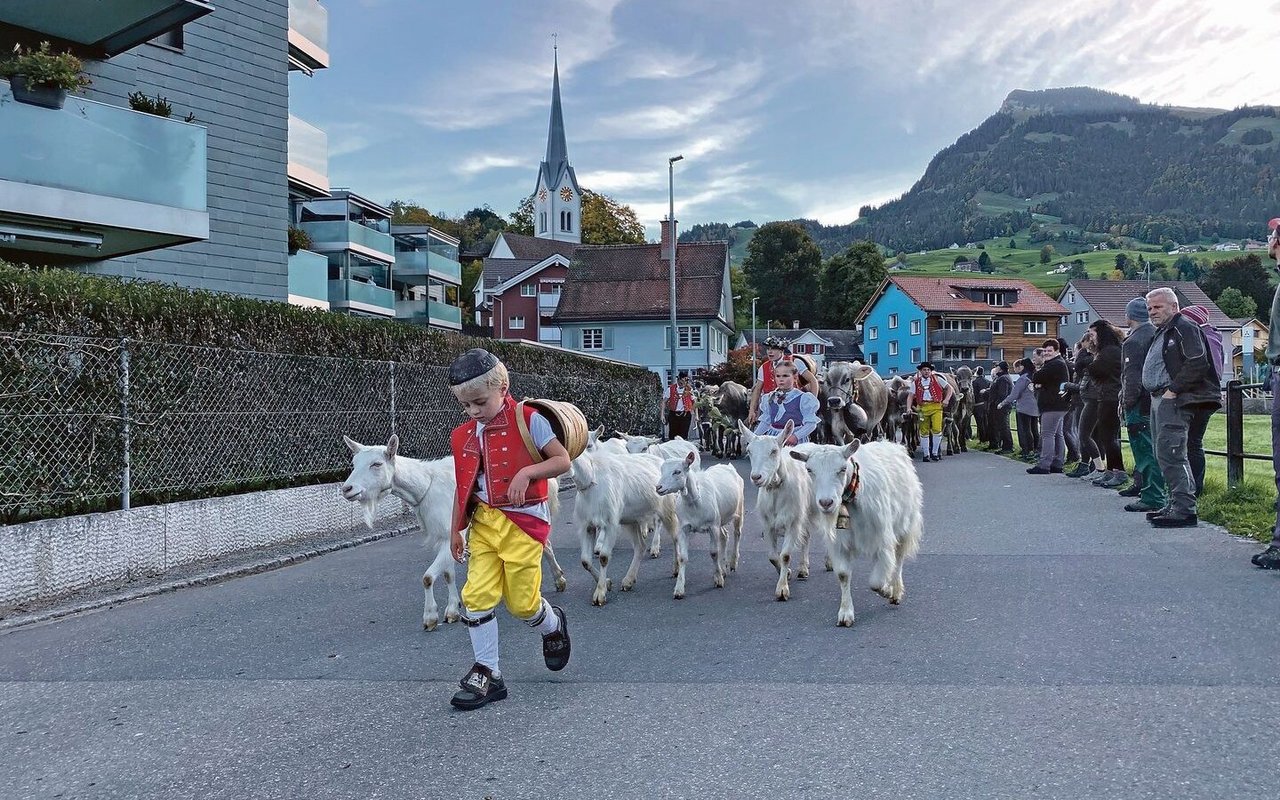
(930, 418)
(505, 564)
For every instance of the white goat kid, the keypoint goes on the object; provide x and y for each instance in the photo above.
(707, 502)
(673, 448)
(428, 488)
(784, 501)
(595, 441)
(877, 485)
(616, 492)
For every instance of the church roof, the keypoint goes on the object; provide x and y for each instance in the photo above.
(557, 150)
(537, 249)
(626, 282)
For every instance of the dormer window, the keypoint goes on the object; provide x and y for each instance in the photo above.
(995, 298)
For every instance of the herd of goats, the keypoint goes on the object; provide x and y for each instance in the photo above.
(856, 490)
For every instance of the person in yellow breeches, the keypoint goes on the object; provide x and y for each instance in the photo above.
(929, 394)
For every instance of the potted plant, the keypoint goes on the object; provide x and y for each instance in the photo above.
(298, 240)
(42, 77)
(159, 106)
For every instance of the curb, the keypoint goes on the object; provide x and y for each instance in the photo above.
(203, 579)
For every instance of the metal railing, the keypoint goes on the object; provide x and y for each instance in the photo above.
(96, 424)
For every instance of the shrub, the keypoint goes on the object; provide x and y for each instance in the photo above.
(148, 105)
(43, 67)
(298, 239)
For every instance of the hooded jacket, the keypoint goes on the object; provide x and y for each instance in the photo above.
(1133, 353)
(1186, 358)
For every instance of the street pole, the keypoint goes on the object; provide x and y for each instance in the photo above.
(753, 337)
(671, 221)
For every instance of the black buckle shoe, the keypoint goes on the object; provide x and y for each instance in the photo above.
(1267, 559)
(1162, 521)
(479, 688)
(555, 646)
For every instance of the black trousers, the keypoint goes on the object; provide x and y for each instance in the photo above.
(1028, 433)
(998, 424)
(678, 421)
(980, 416)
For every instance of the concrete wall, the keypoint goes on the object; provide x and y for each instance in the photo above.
(50, 558)
(232, 72)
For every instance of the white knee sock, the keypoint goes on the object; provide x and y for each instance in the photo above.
(484, 642)
(549, 622)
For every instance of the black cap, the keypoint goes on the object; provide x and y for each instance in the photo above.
(471, 364)
(1004, 365)
(925, 365)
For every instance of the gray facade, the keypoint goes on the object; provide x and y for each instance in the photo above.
(232, 73)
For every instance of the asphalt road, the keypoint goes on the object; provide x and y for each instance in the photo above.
(1050, 645)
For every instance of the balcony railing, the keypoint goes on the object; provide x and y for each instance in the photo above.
(444, 314)
(946, 338)
(361, 296)
(138, 180)
(423, 312)
(308, 35)
(308, 157)
(410, 263)
(309, 279)
(548, 301)
(333, 235)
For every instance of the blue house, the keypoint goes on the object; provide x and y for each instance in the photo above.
(893, 330)
(616, 303)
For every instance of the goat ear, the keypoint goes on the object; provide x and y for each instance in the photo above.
(799, 456)
(851, 448)
(786, 432)
(619, 433)
(689, 459)
(599, 431)
(747, 435)
(393, 445)
(352, 444)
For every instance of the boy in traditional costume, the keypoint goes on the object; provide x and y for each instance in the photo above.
(502, 500)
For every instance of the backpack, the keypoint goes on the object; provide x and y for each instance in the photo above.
(1213, 342)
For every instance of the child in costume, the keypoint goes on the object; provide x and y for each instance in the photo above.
(502, 500)
(788, 404)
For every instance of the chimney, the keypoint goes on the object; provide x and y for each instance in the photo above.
(795, 324)
(667, 237)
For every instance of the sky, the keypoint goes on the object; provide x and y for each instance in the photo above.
(809, 108)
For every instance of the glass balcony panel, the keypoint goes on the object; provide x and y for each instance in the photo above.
(444, 314)
(372, 299)
(411, 263)
(309, 276)
(339, 234)
(308, 155)
(548, 301)
(309, 33)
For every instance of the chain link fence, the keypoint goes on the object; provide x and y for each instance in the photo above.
(96, 424)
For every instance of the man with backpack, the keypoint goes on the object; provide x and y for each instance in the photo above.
(1200, 416)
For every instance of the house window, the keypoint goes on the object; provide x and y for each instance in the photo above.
(997, 326)
(915, 355)
(915, 329)
(593, 338)
(995, 298)
(1036, 327)
(873, 333)
(873, 358)
(996, 353)
(690, 337)
(957, 325)
(516, 323)
(1082, 317)
(1064, 319)
(528, 290)
(893, 348)
(959, 353)
(893, 321)
(1071, 297)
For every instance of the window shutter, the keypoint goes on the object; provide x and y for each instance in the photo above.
(570, 339)
(608, 338)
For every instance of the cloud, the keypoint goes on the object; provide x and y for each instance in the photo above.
(473, 165)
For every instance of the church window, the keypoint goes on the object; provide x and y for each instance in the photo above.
(542, 222)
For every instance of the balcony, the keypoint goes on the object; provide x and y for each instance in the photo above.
(428, 263)
(107, 29)
(308, 280)
(348, 295)
(329, 236)
(94, 181)
(308, 35)
(959, 338)
(549, 334)
(429, 312)
(548, 302)
(308, 158)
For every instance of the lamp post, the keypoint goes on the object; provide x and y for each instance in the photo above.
(753, 337)
(671, 222)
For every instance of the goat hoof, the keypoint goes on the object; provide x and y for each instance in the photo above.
(802, 575)
(844, 622)
(677, 596)
(430, 623)
(561, 584)
(654, 553)
(597, 600)
(451, 616)
(628, 585)
(608, 585)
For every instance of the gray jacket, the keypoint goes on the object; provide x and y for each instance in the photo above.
(1023, 397)
(1133, 353)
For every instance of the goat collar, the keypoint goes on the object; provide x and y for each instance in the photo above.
(851, 490)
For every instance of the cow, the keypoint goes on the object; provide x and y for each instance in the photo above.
(857, 398)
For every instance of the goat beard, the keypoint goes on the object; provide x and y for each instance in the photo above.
(369, 508)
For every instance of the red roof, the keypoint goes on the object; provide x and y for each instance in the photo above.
(948, 294)
(624, 282)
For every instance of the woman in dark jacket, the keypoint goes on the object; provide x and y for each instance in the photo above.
(1104, 375)
(1084, 401)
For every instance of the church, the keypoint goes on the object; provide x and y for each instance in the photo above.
(610, 301)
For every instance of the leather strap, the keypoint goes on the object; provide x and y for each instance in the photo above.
(523, 427)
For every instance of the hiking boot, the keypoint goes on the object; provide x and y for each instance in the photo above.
(1080, 471)
(1140, 506)
(1159, 513)
(479, 687)
(1132, 491)
(1113, 481)
(555, 646)
(1037, 471)
(1267, 559)
(1162, 521)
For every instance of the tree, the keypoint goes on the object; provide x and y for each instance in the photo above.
(737, 367)
(1046, 254)
(1187, 268)
(782, 264)
(1013, 245)
(744, 292)
(522, 218)
(984, 261)
(606, 221)
(901, 258)
(847, 282)
(1078, 270)
(1245, 274)
(407, 212)
(1235, 305)
(959, 260)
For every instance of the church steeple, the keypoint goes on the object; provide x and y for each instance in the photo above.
(557, 201)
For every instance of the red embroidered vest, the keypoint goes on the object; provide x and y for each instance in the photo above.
(501, 452)
(673, 400)
(937, 389)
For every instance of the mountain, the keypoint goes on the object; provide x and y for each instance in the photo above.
(1078, 159)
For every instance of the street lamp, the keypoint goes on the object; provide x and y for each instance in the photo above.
(671, 221)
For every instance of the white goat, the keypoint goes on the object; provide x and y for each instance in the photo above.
(877, 485)
(707, 502)
(784, 501)
(428, 488)
(616, 491)
(673, 448)
(596, 442)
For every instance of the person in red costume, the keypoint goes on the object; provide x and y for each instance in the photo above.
(502, 501)
(679, 407)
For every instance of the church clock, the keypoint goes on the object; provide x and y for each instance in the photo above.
(566, 194)
(542, 195)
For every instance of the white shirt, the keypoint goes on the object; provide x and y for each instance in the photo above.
(541, 432)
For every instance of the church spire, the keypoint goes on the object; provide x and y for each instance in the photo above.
(557, 150)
